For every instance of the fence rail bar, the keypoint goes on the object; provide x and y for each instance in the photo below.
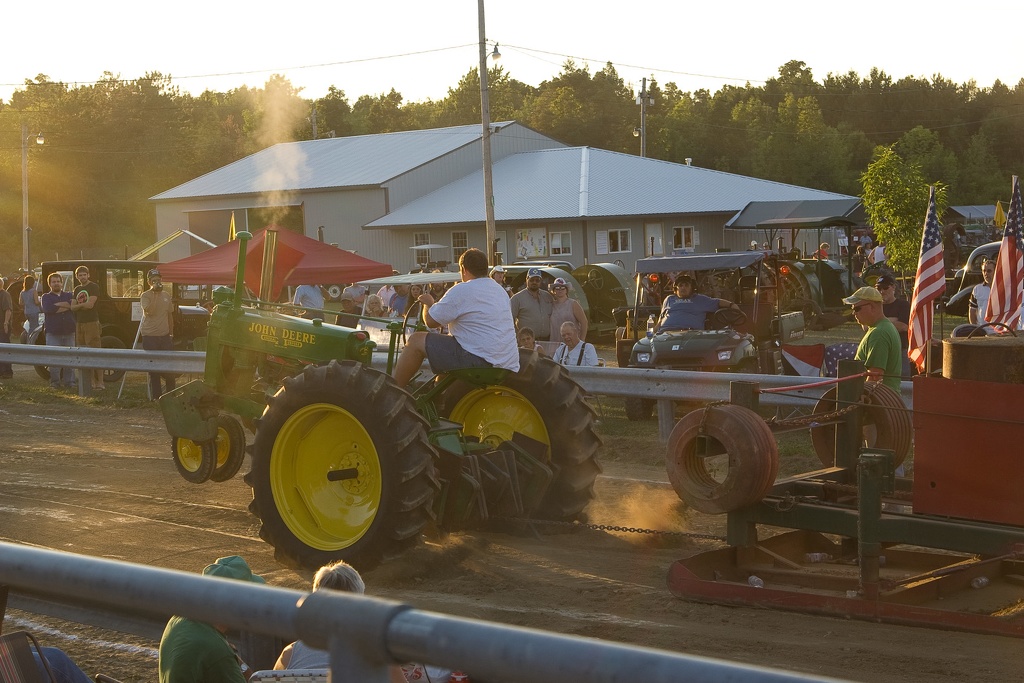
(663, 386)
(364, 634)
(639, 382)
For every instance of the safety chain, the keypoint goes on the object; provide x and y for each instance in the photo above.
(611, 527)
(789, 501)
(812, 420)
(704, 415)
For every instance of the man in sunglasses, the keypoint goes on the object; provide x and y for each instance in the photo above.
(880, 348)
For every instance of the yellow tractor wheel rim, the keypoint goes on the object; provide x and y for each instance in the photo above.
(495, 414)
(189, 454)
(223, 446)
(326, 515)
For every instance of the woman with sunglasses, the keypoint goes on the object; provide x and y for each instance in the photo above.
(565, 310)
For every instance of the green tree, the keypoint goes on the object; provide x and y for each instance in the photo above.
(578, 109)
(922, 147)
(334, 114)
(981, 181)
(896, 202)
(380, 114)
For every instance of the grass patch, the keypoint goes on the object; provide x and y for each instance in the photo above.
(27, 387)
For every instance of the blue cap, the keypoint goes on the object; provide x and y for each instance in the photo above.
(533, 272)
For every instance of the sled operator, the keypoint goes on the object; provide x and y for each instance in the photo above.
(686, 309)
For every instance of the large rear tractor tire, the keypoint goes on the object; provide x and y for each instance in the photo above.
(342, 468)
(542, 402)
(886, 423)
(737, 469)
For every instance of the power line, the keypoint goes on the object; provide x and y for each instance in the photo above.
(246, 73)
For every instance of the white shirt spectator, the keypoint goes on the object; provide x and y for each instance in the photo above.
(978, 303)
(385, 293)
(308, 296)
(581, 354)
(358, 293)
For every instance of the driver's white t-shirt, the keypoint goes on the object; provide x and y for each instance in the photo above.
(478, 315)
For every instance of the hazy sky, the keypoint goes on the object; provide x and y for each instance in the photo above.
(370, 47)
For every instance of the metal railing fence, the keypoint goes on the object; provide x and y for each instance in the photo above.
(365, 635)
(663, 386)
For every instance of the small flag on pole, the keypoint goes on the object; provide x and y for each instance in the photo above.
(929, 285)
(1008, 281)
(231, 229)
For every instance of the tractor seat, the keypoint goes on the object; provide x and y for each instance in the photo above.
(481, 376)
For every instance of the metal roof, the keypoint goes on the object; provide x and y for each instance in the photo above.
(975, 212)
(814, 213)
(357, 161)
(696, 262)
(581, 182)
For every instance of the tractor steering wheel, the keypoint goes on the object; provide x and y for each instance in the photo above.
(595, 279)
(416, 306)
(1006, 328)
(728, 317)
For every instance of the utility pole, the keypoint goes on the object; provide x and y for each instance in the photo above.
(485, 140)
(643, 99)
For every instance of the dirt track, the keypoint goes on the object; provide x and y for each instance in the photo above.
(88, 478)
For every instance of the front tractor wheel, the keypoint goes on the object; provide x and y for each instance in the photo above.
(195, 461)
(230, 448)
(342, 468)
(216, 460)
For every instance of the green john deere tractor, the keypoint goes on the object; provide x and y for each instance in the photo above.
(348, 465)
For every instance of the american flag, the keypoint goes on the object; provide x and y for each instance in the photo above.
(1008, 281)
(928, 286)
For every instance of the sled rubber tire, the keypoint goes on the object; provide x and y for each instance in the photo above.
(893, 423)
(751, 449)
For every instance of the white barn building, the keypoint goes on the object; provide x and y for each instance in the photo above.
(381, 194)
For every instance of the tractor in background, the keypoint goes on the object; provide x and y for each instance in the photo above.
(599, 287)
(348, 465)
(747, 340)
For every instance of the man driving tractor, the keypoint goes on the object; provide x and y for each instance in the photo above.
(479, 321)
(686, 309)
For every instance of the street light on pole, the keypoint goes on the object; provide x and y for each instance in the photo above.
(485, 139)
(26, 254)
(643, 99)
